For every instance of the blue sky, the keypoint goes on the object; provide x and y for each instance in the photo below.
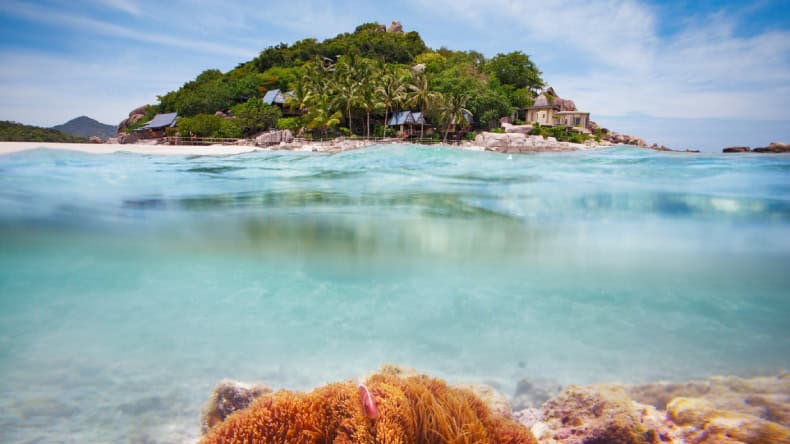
(701, 64)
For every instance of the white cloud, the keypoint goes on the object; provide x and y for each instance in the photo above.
(40, 14)
(705, 70)
(127, 6)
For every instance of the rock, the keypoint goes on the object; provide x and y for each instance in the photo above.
(124, 138)
(736, 149)
(533, 393)
(521, 129)
(395, 27)
(274, 137)
(600, 414)
(95, 139)
(702, 423)
(223, 115)
(774, 147)
(764, 397)
(229, 396)
(140, 110)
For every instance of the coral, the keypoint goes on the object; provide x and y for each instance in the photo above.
(703, 423)
(599, 414)
(414, 409)
(767, 397)
(229, 396)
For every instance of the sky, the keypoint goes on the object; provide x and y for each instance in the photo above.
(687, 74)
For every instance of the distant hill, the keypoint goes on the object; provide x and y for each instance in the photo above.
(12, 131)
(84, 126)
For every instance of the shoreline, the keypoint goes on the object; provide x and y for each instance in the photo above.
(317, 147)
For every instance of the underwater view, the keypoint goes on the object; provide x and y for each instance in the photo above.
(131, 284)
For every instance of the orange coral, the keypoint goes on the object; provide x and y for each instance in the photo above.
(417, 409)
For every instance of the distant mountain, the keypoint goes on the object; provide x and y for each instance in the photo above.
(84, 126)
(12, 131)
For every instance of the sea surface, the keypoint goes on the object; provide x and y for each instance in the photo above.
(131, 284)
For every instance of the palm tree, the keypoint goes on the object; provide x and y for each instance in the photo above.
(369, 74)
(391, 92)
(346, 85)
(421, 95)
(320, 115)
(452, 111)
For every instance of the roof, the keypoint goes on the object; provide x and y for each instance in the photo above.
(566, 113)
(161, 121)
(276, 96)
(406, 118)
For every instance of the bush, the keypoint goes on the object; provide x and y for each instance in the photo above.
(289, 123)
(209, 125)
(254, 116)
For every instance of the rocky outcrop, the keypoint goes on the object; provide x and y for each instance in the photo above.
(736, 149)
(134, 116)
(774, 147)
(395, 27)
(625, 139)
(522, 143)
(523, 129)
(95, 139)
(274, 137)
(532, 393)
(228, 397)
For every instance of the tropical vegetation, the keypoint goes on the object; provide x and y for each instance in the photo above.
(12, 131)
(352, 84)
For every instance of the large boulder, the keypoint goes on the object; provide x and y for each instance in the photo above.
(274, 137)
(522, 129)
(134, 116)
(124, 138)
(228, 397)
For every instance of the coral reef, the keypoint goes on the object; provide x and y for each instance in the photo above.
(726, 410)
(410, 409)
(599, 414)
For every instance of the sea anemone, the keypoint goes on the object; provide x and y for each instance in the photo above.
(415, 409)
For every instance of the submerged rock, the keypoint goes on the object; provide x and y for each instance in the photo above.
(599, 414)
(228, 397)
(725, 410)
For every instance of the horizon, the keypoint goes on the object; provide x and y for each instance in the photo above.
(694, 70)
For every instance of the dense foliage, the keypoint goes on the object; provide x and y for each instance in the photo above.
(12, 131)
(352, 83)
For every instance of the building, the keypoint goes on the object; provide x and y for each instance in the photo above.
(549, 110)
(157, 127)
(403, 118)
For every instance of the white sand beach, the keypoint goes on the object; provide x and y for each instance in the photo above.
(108, 148)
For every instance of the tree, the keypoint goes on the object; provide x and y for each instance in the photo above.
(515, 69)
(346, 85)
(391, 92)
(421, 95)
(254, 116)
(453, 112)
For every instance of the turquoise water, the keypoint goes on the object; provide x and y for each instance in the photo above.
(131, 284)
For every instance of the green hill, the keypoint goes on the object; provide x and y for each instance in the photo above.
(12, 131)
(352, 82)
(84, 126)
